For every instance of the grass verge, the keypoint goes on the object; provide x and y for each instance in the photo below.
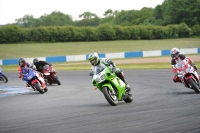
(9, 51)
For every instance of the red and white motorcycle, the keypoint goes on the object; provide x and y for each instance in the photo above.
(188, 75)
(50, 75)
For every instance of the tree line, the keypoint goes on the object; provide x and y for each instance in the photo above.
(169, 12)
(171, 19)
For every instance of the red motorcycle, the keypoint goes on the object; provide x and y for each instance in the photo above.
(50, 75)
(189, 77)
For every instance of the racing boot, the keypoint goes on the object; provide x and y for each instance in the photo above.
(128, 88)
(27, 85)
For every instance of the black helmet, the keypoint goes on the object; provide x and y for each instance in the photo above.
(35, 61)
(21, 61)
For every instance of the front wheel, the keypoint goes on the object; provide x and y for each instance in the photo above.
(3, 78)
(37, 86)
(194, 86)
(55, 79)
(45, 89)
(110, 97)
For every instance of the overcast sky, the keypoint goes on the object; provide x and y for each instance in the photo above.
(14, 9)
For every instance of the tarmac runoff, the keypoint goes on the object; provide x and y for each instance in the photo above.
(12, 90)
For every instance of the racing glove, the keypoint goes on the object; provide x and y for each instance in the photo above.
(194, 66)
(114, 69)
(91, 73)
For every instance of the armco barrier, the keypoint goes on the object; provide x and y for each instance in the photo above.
(104, 55)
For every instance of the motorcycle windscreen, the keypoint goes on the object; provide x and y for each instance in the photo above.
(99, 68)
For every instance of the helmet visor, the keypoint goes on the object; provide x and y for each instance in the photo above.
(21, 63)
(175, 55)
(92, 61)
(172, 55)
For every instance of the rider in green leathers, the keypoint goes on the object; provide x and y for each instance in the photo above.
(95, 60)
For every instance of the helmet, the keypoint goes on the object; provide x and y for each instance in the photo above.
(93, 58)
(35, 61)
(21, 62)
(175, 53)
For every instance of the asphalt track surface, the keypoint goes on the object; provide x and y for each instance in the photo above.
(159, 106)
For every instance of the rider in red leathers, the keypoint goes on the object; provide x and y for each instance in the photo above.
(22, 63)
(176, 57)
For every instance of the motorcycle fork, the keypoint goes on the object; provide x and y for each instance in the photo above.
(185, 82)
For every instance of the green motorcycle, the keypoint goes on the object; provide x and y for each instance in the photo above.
(113, 88)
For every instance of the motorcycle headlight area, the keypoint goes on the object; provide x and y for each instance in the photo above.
(100, 78)
(180, 74)
(29, 77)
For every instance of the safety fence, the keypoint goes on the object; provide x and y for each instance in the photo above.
(120, 55)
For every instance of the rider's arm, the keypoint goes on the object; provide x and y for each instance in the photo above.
(173, 63)
(20, 72)
(28, 64)
(92, 71)
(109, 62)
(182, 57)
(191, 63)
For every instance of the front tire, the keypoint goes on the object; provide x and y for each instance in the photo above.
(45, 89)
(111, 98)
(36, 85)
(4, 78)
(194, 86)
(55, 79)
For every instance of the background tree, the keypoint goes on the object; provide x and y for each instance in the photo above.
(109, 15)
(56, 18)
(179, 11)
(88, 19)
(87, 15)
(133, 17)
(26, 21)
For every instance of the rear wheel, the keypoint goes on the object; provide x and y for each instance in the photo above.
(129, 98)
(55, 79)
(3, 78)
(37, 86)
(110, 97)
(194, 86)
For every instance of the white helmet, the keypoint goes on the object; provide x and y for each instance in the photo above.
(93, 58)
(175, 53)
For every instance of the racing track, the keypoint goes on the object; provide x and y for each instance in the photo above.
(159, 106)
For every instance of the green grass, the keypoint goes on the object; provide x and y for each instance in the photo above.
(65, 66)
(9, 51)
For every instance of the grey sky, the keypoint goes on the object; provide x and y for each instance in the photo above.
(13, 9)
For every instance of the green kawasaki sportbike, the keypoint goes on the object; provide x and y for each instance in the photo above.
(113, 88)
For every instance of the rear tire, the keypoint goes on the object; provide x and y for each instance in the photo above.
(129, 98)
(55, 79)
(194, 86)
(112, 99)
(36, 85)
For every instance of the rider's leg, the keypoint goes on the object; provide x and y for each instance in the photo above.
(120, 74)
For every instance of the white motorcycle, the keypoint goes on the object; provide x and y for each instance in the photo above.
(188, 75)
